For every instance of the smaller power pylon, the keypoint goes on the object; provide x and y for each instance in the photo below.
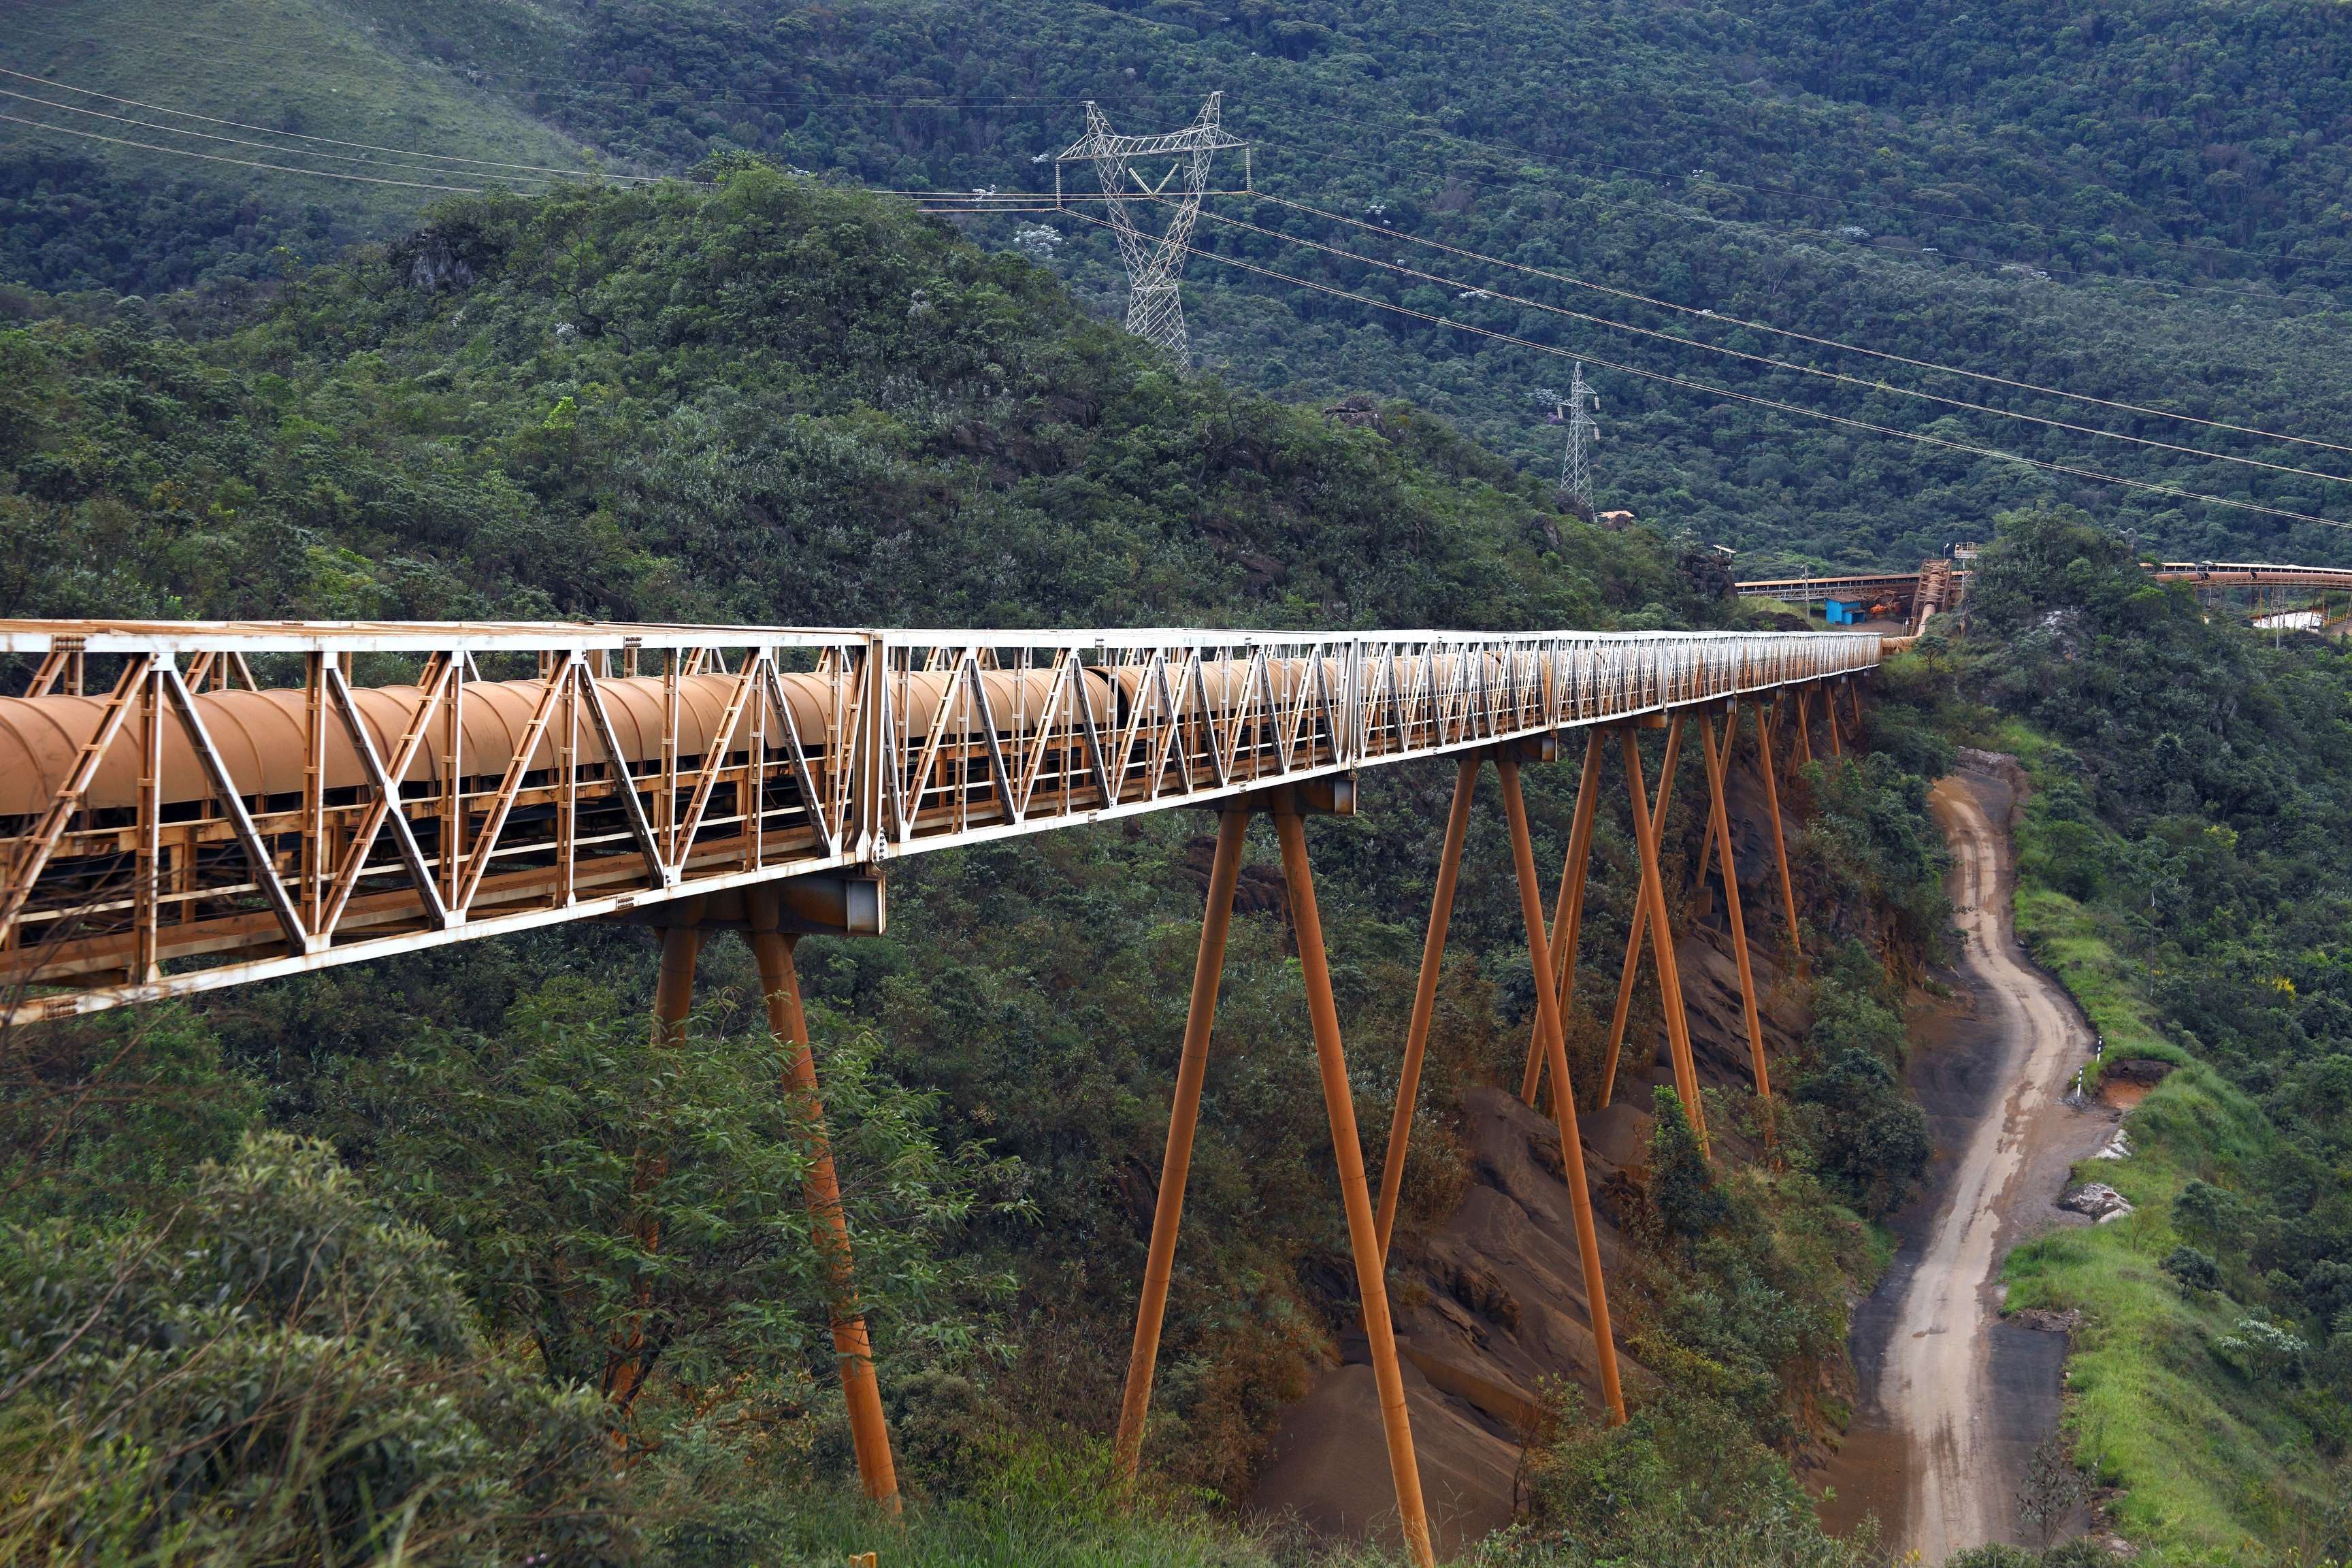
(1583, 430)
(1155, 262)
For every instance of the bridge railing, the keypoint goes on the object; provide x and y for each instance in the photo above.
(185, 806)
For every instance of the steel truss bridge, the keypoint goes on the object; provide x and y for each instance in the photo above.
(186, 806)
(1939, 587)
(2317, 598)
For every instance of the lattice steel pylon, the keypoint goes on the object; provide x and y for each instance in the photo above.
(1583, 430)
(1155, 262)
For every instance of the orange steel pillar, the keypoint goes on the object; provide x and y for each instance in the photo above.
(674, 991)
(626, 1361)
(1718, 763)
(1780, 843)
(1830, 712)
(1338, 1103)
(1670, 982)
(1805, 724)
(1425, 996)
(1563, 1089)
(1567, 912)
(1667, 774)
(1183, 1116)
(869, 1436)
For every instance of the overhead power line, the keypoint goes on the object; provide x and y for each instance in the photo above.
(242, 163)
(1866, 384)
(1729, 352)
(303, 136)
(1963, 447)
(1791, 334)
(515, 180)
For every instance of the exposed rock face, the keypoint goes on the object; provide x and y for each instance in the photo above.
(445, 260)
(431, 264)
(2098, 1200)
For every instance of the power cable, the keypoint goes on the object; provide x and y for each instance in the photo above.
(1685, 382)
(1766, 360)
(302, 136)
(242, 163)
(1698, 312)
(1853, 200)
(265, 146)
(1796, 336)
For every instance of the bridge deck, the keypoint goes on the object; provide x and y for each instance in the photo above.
(221, 804)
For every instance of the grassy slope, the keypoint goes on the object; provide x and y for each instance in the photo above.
(301, 64)
(2213, 1470)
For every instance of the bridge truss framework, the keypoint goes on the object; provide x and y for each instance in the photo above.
(190, 805)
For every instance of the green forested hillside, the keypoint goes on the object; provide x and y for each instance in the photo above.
(762, 397)
(778, 403)
(1900, 175)
(775, 402)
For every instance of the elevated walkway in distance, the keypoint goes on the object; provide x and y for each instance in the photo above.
(1939, 587)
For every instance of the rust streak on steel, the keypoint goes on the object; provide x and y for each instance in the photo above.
(501, 777)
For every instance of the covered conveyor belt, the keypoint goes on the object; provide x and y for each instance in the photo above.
(188, 805)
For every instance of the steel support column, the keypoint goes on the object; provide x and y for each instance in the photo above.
(1830, 712)
(628, 1363)
(869, 1436)
(1425, 996)
(1668, 772)
(1567, 912)
(1719, 763)
(1563, 1088)
(1653, 892)
(1338, 1103)
(1183, 1116)
(1804, 725)
(1780, 843)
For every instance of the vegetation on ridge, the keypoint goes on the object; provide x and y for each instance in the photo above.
(2102, 202)
(771, 401)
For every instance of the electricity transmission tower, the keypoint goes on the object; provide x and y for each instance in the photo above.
(1155, 262)
(1576, 463)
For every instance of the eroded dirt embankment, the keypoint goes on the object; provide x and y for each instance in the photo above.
(1954, 1397)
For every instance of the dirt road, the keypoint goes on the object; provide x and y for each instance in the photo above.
(1954, 1399)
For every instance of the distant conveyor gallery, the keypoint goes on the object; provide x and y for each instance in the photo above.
(186, 806)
